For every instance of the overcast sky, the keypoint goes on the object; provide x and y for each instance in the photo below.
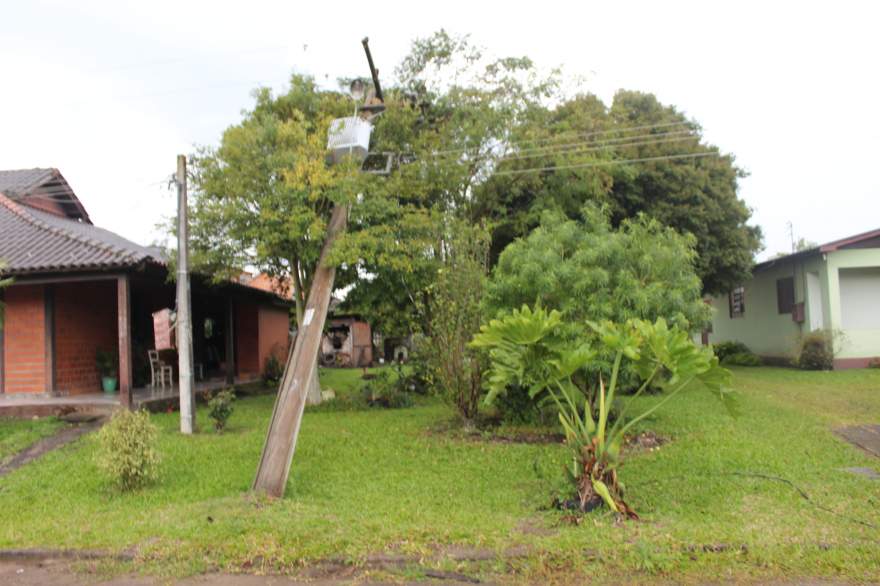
(110, 92)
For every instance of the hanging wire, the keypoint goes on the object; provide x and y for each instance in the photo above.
(608, 163)
(618, 141)
(588, 146)
(565, 135)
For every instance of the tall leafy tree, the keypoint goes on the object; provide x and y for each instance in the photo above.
(591, 271)
(585, 151)
(450, 111)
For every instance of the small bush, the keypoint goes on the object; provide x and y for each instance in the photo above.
(272, 370)
(816, 351)
(456, 314)
(875, 363)
(127, 452)
(723, 350)
(385, 391)
(220, 408)
(742, 359)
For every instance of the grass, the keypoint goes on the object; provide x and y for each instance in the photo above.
(372, 480)
(17, 434)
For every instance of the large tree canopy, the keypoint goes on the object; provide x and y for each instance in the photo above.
(589, 152)
(592, 272)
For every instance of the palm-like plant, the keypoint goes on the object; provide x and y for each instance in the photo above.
(525, 350)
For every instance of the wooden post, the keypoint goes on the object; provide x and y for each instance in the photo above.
(49, 331)
(184, 313)
(230, 342)
(284, 426)
(123, 311)
(2, 349)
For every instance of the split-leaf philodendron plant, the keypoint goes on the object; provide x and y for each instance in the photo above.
(525, 350)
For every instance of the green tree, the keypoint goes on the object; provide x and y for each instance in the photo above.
(592, 272)
(262, 198)
(695, 196)
(448, 109)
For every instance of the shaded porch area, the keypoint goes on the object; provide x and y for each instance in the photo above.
(40, 405)
(56, 325)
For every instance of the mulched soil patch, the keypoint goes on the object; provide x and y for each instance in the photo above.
(646, 441)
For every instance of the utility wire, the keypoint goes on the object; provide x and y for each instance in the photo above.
(574, 149)
(607, 163)
(609, 141)
(564, 135)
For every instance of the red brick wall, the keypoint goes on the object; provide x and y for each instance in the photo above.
(85, 321)
(24, 340)
(274, 333)
(247, 347)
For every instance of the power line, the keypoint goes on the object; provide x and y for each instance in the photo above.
(575, 133)
(607, 163)
(618, 141)
(592, 146)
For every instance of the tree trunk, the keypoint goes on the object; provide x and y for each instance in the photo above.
(313, 396)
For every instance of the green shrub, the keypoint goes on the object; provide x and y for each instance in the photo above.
(220, 408)
(127, 453)
(816, 351)
(875, 363)
(107, 362)
(742, 359)
(420, 374)
(272, 370)
(388, 391)
(724, 349)
(456, 315)
(590, 271)
(735, 353)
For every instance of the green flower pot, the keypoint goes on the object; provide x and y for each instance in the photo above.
(108, 383)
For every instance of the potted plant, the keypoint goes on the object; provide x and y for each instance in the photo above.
(108, 365)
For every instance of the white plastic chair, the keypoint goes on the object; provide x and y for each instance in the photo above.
(157, 367)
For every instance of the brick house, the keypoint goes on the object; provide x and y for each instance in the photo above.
(78, 289)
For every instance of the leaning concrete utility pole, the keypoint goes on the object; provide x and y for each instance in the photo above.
(184, 313)
(348, 138)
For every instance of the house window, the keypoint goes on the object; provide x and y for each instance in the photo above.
(737, 299)
(785, 294)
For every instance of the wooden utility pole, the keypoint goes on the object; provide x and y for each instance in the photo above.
(286, 417)
(184, 310)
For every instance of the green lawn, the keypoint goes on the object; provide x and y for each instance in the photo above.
(364, 481)
(17, 434)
